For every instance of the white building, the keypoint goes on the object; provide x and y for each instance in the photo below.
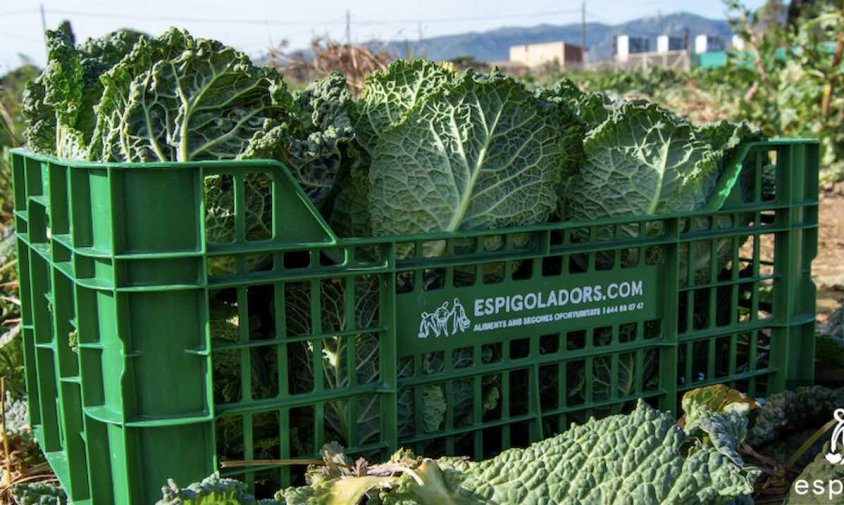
(706, 43)
(547, 53)
(665, 43)
(625, 45)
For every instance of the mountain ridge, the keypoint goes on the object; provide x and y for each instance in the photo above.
(493, 45)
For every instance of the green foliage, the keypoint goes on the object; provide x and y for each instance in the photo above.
(59, 104)
(641, 457)
(386, 98)
(792, 70)
(177, 98)
(481, 153)
(211, 491)
(38, 493)
(323, 132)
(793, 410)
(388, 95)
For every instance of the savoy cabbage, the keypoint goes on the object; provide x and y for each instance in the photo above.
(387, 96)
(480, 153)
(424, 149)
(127, 97)
(642, 457)
(212, 490)
(59, 105)
(38, 493)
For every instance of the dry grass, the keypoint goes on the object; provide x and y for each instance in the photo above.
(354, 61)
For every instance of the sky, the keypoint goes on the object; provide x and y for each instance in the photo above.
(253, 25)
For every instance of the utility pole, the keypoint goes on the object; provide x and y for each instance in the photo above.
(348, 29)
(44, 26)
(418, 52)
(583, 29)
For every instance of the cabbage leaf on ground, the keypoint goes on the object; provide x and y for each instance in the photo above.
(642, 457)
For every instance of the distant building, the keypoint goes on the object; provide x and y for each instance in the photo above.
(625, 45)
(708, 43)
(665, 44)
(561, 54)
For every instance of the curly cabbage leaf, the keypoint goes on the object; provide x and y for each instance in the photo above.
(38, 493)
(637, 458)
(40, 132)
(642, 457)
(53, 101)
(212, 490)
(322, 129)
(590, 108)
(180, 98)
(59, 105)
(386, 98)
(789, 411)
(177, 98)
(388, 95)
(482, 153)
(642, 161)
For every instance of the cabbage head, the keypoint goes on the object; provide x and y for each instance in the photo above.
(480, 153)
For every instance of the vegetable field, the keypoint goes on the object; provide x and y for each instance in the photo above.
(318, 267)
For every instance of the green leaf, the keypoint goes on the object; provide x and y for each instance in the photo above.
(480, 154)
(642, 161)
(715, 398)
(177, 98)
(642, 458)
(59, 105)
(636, 458)
(211, 491)
(388, 95)
(728, 138)
(40, 132)
(322, 130)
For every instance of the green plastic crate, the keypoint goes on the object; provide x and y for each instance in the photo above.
(522, 331)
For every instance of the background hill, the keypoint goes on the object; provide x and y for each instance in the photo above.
(494, 44)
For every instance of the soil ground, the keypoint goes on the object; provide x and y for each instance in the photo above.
(828, 267)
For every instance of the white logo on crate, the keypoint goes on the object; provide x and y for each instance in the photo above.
(834, 456)
(437, 323)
